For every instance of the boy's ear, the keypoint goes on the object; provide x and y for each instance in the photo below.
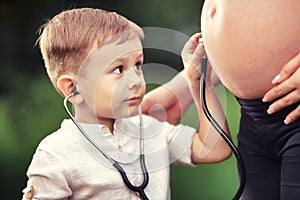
(66, 84)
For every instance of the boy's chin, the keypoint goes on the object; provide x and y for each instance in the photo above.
(130, 112)
(133, 112)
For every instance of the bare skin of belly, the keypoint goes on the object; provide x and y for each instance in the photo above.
(248, 42)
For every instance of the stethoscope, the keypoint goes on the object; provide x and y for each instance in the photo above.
(219, 129)
(138, 189)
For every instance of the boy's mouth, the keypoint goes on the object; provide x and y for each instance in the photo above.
(134, 100)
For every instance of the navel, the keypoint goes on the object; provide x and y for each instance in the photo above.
(212, 11)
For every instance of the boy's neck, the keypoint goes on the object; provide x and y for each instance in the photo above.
(109, 123)
(84, 115)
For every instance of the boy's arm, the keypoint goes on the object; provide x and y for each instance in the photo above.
(169, 101)
(46, 179)
(208, 146)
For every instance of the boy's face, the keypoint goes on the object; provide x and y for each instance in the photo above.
(111, 80)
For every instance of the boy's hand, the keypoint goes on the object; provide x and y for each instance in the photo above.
(287, 87)
(191, 55)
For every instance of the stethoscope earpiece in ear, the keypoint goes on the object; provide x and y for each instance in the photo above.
(75, 91)
(78, 99)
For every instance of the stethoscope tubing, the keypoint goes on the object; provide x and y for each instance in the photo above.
(221, 132)
(138, 189)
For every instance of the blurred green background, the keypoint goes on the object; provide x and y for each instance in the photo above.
(30, 108)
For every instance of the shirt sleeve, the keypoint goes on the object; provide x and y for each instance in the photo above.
(180, 140)
(47, 176)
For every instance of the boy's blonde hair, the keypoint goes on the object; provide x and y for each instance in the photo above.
(66, 40)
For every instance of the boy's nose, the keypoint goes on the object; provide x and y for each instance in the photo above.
(135, 79)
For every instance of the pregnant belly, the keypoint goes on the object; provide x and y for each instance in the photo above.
(248, 42)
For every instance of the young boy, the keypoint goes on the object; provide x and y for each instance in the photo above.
(94, 58)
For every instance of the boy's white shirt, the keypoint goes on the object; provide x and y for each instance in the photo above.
(66, 166)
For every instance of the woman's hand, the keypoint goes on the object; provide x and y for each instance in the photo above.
(287, 89)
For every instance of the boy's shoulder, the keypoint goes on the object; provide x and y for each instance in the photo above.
(61, 138)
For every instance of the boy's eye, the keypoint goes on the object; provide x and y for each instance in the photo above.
(118, 70)
(138, 66)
